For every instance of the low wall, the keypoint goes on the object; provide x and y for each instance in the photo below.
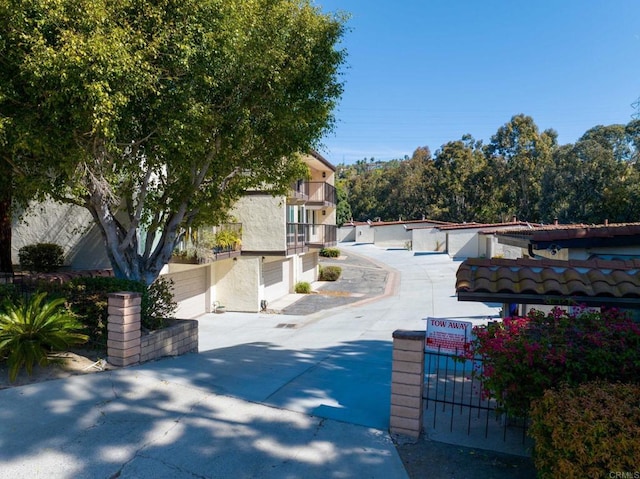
(180, 337)
(126, 345)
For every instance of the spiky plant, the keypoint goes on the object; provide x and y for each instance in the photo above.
(31, 330)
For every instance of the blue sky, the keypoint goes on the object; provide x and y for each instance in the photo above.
(425, 72)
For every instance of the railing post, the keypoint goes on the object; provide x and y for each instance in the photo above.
(407, 383)
(123, 328)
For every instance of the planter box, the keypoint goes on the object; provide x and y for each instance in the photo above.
(179, 337)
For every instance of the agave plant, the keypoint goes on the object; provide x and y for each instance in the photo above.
(31, 330)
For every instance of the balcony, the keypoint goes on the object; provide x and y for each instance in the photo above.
(320, 194)
(207, 244)
(313, 193)
(302, 236)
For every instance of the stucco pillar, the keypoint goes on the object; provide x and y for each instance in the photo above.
(123, 328)
(407, 383)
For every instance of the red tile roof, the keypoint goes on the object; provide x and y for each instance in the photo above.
(576, 231)
(517, 226)
(544, 281)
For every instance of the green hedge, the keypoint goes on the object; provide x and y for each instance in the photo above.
(590, 430)
(87, 298)
(41, 257)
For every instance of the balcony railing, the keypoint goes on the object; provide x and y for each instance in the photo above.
(210, 243)
(314, 192)
(321, 193)
(301, 236)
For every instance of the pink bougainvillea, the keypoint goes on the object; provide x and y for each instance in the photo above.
(524, 356)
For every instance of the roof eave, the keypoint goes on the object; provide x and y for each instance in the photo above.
(550, 300)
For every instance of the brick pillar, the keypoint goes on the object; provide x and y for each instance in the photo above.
(123, 327)
(407, 383)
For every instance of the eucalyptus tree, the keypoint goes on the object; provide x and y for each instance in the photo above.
(416, 189)
(157, 115)
(465, 183)
(596, 178)
(525, 154)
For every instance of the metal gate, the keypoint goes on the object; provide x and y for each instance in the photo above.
(454, 401)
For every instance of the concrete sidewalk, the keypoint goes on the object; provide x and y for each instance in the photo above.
(269, 395)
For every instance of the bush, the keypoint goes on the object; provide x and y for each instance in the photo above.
(303, 287)
(88, 299)
(29, 330)
(329, 273)
(9, 294)
(41, 257)
(587, 431)
(330, 252)
(523, 357)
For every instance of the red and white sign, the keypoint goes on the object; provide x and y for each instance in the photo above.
(447, 335)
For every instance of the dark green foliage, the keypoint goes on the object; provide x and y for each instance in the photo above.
(87, 298)
(158, 304)
(29, 330)
(330, 252)
(8, 294)
(329, 273)
(522, 172)
(41, 257)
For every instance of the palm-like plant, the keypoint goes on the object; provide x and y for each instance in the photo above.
(32, 329)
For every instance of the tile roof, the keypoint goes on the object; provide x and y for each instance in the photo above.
(516, 226)
(545, 281)
(576, 231)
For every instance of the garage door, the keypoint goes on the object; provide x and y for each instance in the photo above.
(275, 277)
(189, 291)
(309, 262)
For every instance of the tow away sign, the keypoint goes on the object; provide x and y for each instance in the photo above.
(447, 335)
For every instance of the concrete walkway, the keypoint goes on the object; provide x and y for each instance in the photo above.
(269, 395)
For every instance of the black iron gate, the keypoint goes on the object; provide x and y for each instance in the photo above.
(454, 399)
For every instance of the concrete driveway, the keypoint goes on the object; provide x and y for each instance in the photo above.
(269, 395)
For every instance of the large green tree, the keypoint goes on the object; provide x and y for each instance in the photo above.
(521, 153)
(158, 115)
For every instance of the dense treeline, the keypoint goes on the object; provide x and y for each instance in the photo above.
(522, 172)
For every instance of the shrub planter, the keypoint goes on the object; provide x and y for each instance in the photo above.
(179, 337)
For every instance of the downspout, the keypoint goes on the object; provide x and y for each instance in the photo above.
(531, 253)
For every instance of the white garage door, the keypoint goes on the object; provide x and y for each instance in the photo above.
(275, 277)
(189, 291)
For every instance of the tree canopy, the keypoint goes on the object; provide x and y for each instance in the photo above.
(521, 172)
(158, 115)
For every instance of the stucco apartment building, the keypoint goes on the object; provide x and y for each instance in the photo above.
(280, 242)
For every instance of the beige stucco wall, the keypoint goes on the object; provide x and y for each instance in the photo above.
(488, 247)
(364, 234)
(263, 219)
(69, 226)
(463, 243)
(428, 239)
(237, 284)
(391, 236)
(346, 233)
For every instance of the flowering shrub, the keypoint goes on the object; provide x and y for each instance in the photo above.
(524, 356)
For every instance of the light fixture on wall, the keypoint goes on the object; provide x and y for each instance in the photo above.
(324, 174)
(324, 212)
